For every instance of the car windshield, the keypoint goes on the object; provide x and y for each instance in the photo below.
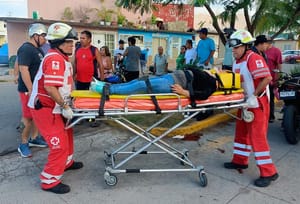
(291, 52)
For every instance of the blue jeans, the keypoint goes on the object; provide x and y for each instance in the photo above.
(159, 84)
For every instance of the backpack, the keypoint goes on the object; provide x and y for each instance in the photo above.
(95, 63)
(228, 81)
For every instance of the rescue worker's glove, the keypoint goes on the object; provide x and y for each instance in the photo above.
(252, 102)
(67, 112)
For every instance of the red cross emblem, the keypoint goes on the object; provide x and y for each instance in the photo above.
(54, 141)
(56, 27)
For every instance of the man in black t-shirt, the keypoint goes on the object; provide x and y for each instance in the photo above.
(29, 58)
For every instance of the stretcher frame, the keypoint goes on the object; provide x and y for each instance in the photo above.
(117, 115)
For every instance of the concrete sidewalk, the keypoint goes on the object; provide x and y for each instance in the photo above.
(19, 178)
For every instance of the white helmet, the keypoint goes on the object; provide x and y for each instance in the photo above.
(37, 28)
(240, 37)
(61, 32)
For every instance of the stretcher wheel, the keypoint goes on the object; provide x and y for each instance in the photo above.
(185, 155)
(108, 158)
(248, 116)
(110, 179)
(203, 178)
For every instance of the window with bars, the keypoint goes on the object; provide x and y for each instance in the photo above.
(110, 42)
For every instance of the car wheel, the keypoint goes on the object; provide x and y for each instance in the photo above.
(292, 61)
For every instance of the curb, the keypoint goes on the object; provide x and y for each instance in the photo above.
(197, 126)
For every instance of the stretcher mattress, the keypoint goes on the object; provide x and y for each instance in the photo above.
(91, 100)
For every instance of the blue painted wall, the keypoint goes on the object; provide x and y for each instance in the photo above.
(150, 34)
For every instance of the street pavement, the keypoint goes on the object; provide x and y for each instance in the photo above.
(10, 116)
(19, 177)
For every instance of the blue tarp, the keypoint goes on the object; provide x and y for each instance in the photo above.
(4, 54)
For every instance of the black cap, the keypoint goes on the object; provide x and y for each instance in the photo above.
(121, 42)
(203, 30)
(229, 31)
(261, 39)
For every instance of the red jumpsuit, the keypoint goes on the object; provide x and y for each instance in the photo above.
(55, 70)
(253, 135)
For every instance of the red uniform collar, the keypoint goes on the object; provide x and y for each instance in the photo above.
(244, 58)
(66, 57)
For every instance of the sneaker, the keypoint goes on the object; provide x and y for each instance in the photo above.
(265, 181)
(37, 142)
(59, 189)
(74, 166)
(231, 165)
(24, 150)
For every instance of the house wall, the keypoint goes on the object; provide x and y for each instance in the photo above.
(175, 13)
(171, 42)
(17, 34)
(286, 44)
(54, 9)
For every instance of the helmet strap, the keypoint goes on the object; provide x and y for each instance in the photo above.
(37, 42)
(245, 51)
(67, 54)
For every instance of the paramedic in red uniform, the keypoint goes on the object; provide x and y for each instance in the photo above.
(87, 62)
(255, 77)
(49, 103)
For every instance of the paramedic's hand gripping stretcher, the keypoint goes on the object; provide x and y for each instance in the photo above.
(153, 95)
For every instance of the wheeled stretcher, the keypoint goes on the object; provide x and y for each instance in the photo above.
(88, 105)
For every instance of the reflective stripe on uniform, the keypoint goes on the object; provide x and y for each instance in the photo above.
(264, 161)
(48, 176)
(243, 153)
(69, 159)
(244, 146)
(262, 154)
(48, 181)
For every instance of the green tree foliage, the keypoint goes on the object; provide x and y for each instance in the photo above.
(269, 15)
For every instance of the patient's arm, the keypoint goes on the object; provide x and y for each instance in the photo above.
(176, 88)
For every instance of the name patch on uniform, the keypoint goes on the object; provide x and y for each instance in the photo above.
(259, 63)
(55, 65)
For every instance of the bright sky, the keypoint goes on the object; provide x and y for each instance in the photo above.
(13, 8)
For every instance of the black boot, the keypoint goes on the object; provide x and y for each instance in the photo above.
(265, 181)
(231, 165)
(74, 166)
(59, 189)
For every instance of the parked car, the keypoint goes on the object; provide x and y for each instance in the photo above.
(291, 56)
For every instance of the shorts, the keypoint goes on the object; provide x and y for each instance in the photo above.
(25, 109)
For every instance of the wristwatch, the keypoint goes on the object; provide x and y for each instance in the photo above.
(64, 104)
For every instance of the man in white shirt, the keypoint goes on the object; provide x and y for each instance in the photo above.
(190, 53)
